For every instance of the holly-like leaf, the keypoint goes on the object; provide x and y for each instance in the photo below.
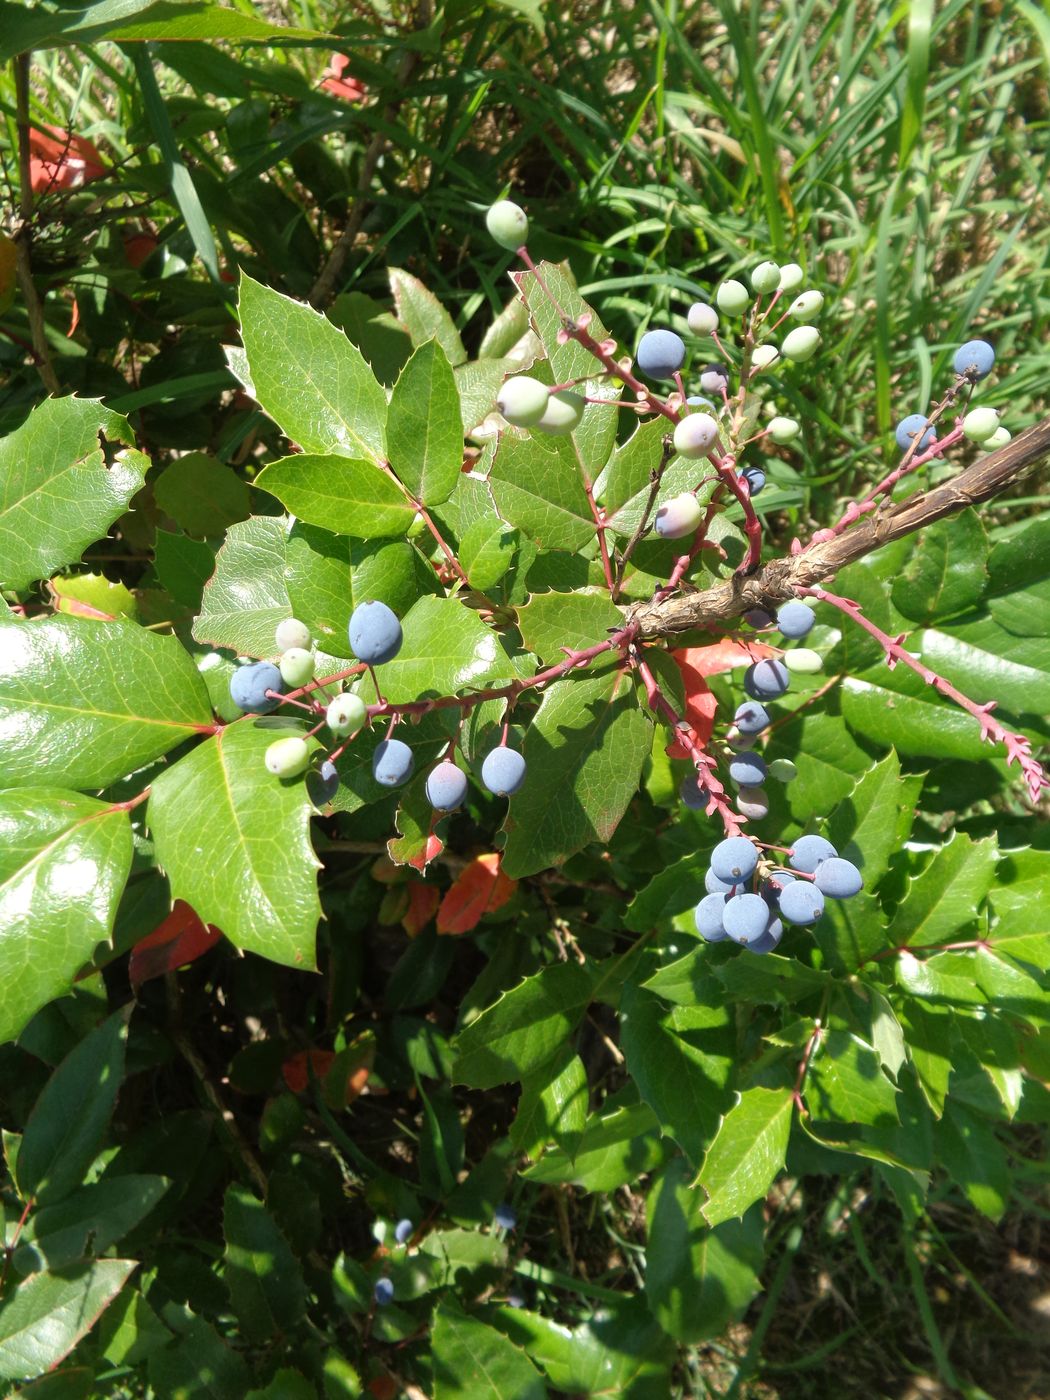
(263, 1276)
(1019, 581)
(472, 1361)
(57, 495)
(64, 861)
(536, 484)
(845, 1083)
(875, 820)
(423, 316)
(620, 1143)
(829, 761)
(42, 1320)
(446, 650)
(487, 551)
(313, 381)
(416, 842)
(83, 703)
(346, 495)
(479, 889)
(1022, 927)
(248, 594)
(550, 622)
(946, 574)
(94, 1217)
(424, 433)
(946, 896)
(898, 709)
(552, 1106)
(234, 841)
(179, 939)
(748, 1151)
(201, 495)
(584, 751)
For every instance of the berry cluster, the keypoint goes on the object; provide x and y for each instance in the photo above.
(755, 918)
(971, 362)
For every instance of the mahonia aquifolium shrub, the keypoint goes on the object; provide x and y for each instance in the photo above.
(749, 894)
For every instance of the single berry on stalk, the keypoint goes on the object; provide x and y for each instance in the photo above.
(974, 359)
(508, 224)
(678, 517)
(732, 297)
(503, 771)
(751, 717)
(695, 435)
(563, 414)
(755, 478)
(249, 684)
(346, 714)
(734, 858)
(765, 277)
(708, 918)
(446, 786)
(701, 318)
(375, 633)
(766, 679)
(392, 763)
(912, 427)
(745, 917)
(383, 1292)
(795, 619)
(297, 667)
(291, 633)
(522, 401)
(838, 878)
(801, 903)
(747, 769)
(801, 343)
(661, 354)
(287, 758)
(808, 851)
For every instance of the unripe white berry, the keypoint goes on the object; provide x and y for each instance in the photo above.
(791, 276)
(980, 423)
(702, 319)
(508, 224)
(753, 803)
(807, 306)
(801, 343)
(297, 666)
(714, 380)
(287, 758)
(563, 412)
(677, 517)
(783, 770)
(741, 743)
(522, 400)
(733, 297)
(763, 356)
(999, 438)
(292, 633)
(766, 277)
(803, 661)
(783, 429)
(346, 714)
(693, 436)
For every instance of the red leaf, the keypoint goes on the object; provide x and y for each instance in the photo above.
(296, 1069)
(349, 89)
(423, 901)
(430, 852)
(138, 247)
(722, 656)
(58, 160)
(700, 707)
(480, 889)
(180, 939)
(342, 1076)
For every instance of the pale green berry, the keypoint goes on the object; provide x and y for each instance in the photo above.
(803, 660)
(783, 429)
(346, 714)
(766, 277)
(752, 802)
(801, 343)
(791, 276)
(741, 743)
(980, 423)
(733, 297)
(287, 758)
(522, 401)
(763, 356)
(678, 517)
(999, 438)
(807, 306)
(783, 770)
(702, 319)
(292, 633)
(508, 224)
(563, 412)
(695, 435)
(297, 666)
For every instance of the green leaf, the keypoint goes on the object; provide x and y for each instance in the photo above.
(875, 820)
(68, 1120)
(472, 1361)
(697, 1278)
(680, 1058)
(829, 761)
(550, 622)
(898, 709)
(1022, 926)
(845, 1083)
(620, 1143)
(770, 979)
(130, 1330)
(424, 317)
(248, 593)
(851, 931)
(95, 1217)
(552, 1106)
(971, 1153)
(286, 1384)
(929, 1034)
(524, 1029)
(83, 703)
(201, 495)
(341, 494)
(57, 495)
(447, 649)
(310, 378)
(584, 750)
(263, 1276)
(64, 861)
(946, 977)
(42, 1320)
(220, 798)
(424, 432)
(536, 485)
(748, 1151)
(487, 551)
(1019, 581)
(198, 1366)
(946, 574)
(946, 896)
(183, 567)
(478, 384)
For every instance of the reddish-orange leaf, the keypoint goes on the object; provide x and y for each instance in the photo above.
(722, 656)
(383, 1387)
(423, 901)
(138, 247)
(480, 889)
(296, 1069)
(348, 88)
(700, 708)
(180, 939)
(58, 160)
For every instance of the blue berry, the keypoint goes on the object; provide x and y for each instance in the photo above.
(767, 679)
(661, 354)
(751, 717)
(375, 633)
(808, 851)
(755, 478)
(713, 885)
(403, 1231)
(446, 786)
(249, 684)
(504, 1217)
(769, 940)
(974, 359)
(746, 917)
(801, 902)
(838, 878)
(503, 771)
(758, 618)
(796, 619)
(383, 1292)
(323, 785)
(708, 918)
(392, 763)
(747, 769)
(910, 428)
(692, 794)
(734, 858)
(775, 886)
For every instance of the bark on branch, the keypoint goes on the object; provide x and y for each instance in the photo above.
(782, 578)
